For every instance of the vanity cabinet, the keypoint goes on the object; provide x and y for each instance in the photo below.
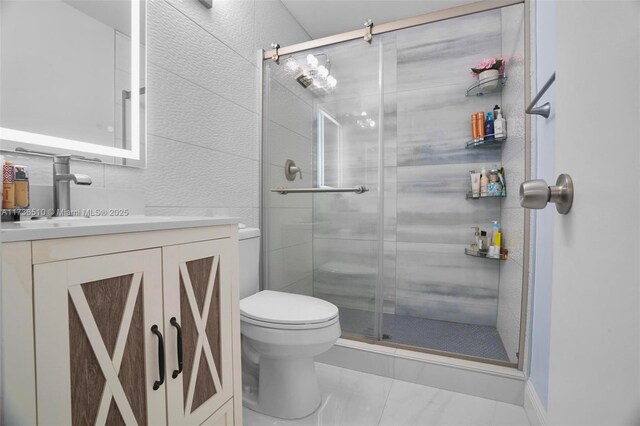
(96, 357)
(148, 335)
(197, 301)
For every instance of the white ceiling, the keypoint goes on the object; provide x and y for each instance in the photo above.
(321, 18)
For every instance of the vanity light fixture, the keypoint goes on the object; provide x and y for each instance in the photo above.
(310, 74)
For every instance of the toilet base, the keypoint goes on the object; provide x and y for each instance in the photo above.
(288, 388)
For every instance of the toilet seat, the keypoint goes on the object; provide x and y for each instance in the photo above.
(273, 309)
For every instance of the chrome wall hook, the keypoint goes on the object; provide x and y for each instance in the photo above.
(536, 194)
(368, 26)
(276, 55)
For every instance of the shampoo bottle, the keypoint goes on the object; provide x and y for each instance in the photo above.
(480, 122)
(474, 127)
(488, 127)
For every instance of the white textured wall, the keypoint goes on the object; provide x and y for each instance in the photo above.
(202, 97)
(203, 104)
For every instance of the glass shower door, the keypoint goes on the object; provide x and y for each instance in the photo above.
(321, 109)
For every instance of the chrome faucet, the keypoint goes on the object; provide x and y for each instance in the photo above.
(61, 184)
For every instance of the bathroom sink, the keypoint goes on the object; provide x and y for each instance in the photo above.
(47, 222)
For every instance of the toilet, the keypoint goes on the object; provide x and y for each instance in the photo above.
(281, 335)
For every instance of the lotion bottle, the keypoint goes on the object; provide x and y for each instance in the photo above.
(484, 183)
(500, 126)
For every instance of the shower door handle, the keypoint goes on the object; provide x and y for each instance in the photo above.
(358, 189)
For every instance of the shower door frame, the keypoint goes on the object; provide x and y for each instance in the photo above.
(441, 15)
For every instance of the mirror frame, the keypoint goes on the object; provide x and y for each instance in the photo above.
(83, 147)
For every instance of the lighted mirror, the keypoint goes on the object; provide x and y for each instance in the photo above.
(329, 150)
(72, 78)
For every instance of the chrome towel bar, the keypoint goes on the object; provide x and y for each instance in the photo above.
(544, 109)
(358, 189)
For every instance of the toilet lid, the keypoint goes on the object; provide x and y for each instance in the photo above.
(285, 308)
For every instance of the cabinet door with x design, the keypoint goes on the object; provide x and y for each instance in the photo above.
(197, 305)
(98, 332)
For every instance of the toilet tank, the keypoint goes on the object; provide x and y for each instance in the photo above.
(249, 240)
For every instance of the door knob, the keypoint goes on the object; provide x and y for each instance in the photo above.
(535, 194)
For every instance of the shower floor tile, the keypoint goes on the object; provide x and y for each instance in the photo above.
(466, 339)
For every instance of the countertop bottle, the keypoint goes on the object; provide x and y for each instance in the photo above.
(8, 186)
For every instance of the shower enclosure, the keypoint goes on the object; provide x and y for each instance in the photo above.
(376, 219)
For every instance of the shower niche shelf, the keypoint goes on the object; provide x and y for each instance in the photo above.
(488, 143)
(487, 85)
(470, 196)
(484, 255)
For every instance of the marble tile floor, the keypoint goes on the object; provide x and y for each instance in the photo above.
(352, 398)
(468, 339)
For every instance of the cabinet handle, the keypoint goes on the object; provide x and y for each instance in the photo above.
(174, 322)
(159, 383)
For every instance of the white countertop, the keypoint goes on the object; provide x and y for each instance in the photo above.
(64, 227)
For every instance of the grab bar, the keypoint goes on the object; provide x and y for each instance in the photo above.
(358, 189)
(544, 109)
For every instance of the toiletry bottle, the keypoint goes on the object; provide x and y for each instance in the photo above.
(503, 185)
(8, 186)
(483, 247)
(492, 187)
(475, 184)
(488, 127)
(474, 127)
(480, 125)
(496, 109)
(497, 238)
(475, 244)
(484, 183)
(500, 126)
(22, 187)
